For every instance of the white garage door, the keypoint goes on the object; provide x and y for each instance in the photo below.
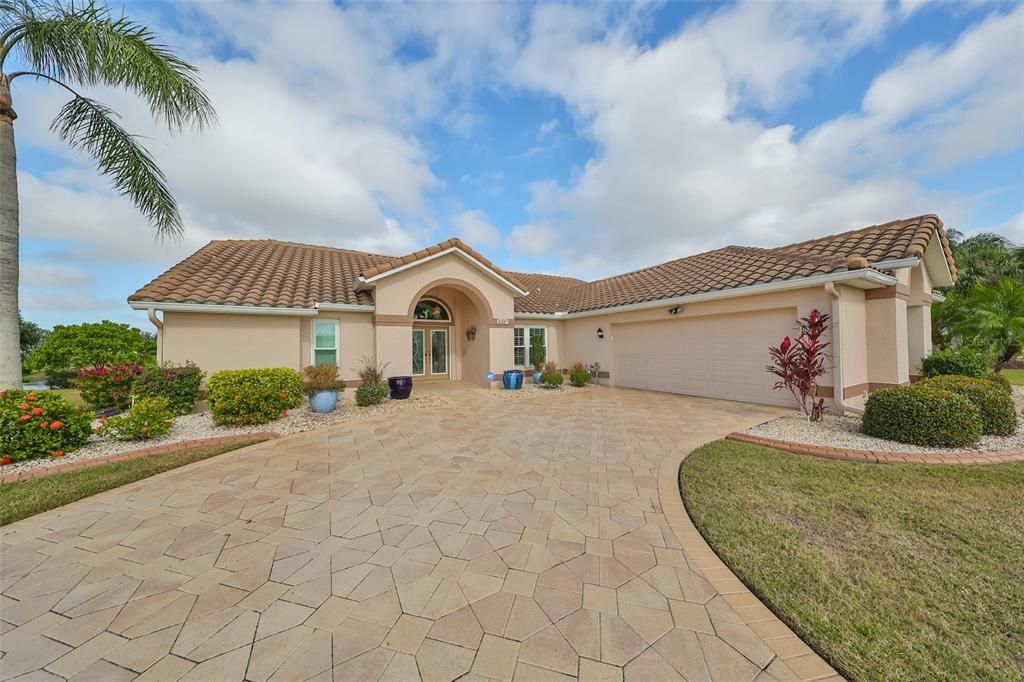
(715, 357)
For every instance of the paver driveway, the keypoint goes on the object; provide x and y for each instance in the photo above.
(493, 539)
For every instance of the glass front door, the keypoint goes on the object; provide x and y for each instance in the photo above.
(430, 352)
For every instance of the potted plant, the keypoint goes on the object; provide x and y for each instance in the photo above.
(321, 384)
(537, 357)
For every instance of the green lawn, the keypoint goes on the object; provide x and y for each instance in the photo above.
(1014, 376)
(889, 571)
(25, 498)
(69, 394)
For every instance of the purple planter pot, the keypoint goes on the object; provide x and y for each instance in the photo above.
(401, 387)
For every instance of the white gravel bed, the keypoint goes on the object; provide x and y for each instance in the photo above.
(844, 432)
(200, 425)
(532, 390)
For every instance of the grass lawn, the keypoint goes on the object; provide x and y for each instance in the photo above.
(69, 394)
(1014, 376)
(889, 571)
(25, 498)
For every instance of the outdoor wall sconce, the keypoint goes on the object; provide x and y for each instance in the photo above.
(471, 334)
(600, 333)
(676, 310)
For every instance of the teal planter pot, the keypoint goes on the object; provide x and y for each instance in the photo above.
(323, 402)
(512, 379)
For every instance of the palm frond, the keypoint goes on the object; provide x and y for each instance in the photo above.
(88, 125)
(86, 44)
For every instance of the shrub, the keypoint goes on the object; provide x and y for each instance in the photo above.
(38, 423)
(253, 396)
(551, 376)
(108, 386)
(63, 378)
(148, 418)
(578, 375)
(799, 364)
(922, 415)
(92, 344)
(371, 394)
(321, 378)
(178, 383)
(537, 352)
(998, 416)
(372, 373)
(1002, 382)
(968, 362)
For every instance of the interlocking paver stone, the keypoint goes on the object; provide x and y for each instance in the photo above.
(526, 539)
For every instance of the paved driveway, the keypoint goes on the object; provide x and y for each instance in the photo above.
(496, 538)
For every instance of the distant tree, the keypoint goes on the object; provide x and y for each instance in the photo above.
(92, 344)
(985, 259)
(31, 335)
(989, 317)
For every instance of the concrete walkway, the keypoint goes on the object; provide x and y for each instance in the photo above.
(497, 538)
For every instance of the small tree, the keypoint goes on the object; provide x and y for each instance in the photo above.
(799, 364)
(92, 344)
(31, 335)
(537, 358)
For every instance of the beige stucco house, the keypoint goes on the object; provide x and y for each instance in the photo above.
(699, 325)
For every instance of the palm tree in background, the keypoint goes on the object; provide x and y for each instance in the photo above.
(76, 46)
(991, 317)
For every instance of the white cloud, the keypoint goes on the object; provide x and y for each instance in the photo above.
(54, 276)
(66, 301)
(1012, 229)
(475, 229)
(531, 240)
(548, 127)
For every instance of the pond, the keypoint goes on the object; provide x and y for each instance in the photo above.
(35, 386)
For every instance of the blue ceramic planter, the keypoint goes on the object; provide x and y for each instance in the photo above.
(512, 379)
(401, 387)
(323, 402)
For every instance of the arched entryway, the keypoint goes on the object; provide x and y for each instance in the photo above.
(432, 324)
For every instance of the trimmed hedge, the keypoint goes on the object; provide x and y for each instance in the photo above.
(1002, 382)
(148, 418)
(922, 415)
(998, 416)
(371, 394)
(968, 362)
(178, 383)
(253, 396)
(40, 424)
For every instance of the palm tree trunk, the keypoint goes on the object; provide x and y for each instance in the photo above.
(10, 347)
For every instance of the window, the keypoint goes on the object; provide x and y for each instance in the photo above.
(325, 342)
(430, 310)
(522, 338)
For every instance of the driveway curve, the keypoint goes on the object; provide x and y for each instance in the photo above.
(496, 538)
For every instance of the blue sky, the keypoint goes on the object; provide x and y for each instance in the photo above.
(576, 139)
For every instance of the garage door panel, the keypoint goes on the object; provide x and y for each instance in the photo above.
(716, 357)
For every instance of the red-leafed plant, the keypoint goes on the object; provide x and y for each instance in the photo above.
(800, 363)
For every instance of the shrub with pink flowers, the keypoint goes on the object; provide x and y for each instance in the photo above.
(40, 423)
(800, 363)
(108, 386)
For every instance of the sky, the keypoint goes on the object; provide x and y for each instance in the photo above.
(577, 139)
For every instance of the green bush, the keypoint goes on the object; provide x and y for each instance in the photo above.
(148, 418)
(968, 362)
(922, 415)
(178, 383)
(371, 394)
(108, 386)
(38, 424)
(318, 378)
(998, 416)
(253, 396)
(1002, 382)
(92, 344)
(551, 376)
(578, 375)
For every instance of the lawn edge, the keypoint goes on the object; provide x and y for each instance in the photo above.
(788, 647)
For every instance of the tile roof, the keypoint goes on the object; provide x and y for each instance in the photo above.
(273, 273)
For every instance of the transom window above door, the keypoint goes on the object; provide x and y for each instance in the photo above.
(428, 309)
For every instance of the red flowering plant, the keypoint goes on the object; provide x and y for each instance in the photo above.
(108, 386)
(800, 363)
(38, 423)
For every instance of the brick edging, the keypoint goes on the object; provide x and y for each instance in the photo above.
(803, 661)
(880, 456)
(29, 474)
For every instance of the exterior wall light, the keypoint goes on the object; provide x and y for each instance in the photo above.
(676, 310)
(471, 334)
(600, 333)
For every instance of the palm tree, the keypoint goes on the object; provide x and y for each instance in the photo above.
(985, 259)
(72, 47)
(991, 316)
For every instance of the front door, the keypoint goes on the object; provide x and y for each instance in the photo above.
(430, 352)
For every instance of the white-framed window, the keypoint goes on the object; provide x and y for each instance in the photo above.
(326, 342)
(522, 337)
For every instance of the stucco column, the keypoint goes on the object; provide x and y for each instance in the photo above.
(500, 344)
(919, 336)
(888, 344)
(394, 347)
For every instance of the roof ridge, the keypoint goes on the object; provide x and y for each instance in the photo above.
(307, 245)
(839, 235)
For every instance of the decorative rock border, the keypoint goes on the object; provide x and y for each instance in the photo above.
(792, 651)
(880, 456)
(29, 474)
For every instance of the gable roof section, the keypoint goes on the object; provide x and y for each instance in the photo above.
(379, 270)
(268, 273)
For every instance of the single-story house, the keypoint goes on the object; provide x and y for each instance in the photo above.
(699, 325)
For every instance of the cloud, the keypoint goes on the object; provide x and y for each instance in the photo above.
(67, 301)
(532, 240)
(473, 227)
(54, 276)
(548, 127)
(1012, 229)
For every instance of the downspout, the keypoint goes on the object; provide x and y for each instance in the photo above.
(159, 324)
(838, 387)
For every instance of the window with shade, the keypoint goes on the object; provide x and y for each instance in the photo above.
(522, 338)
(325, 342)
